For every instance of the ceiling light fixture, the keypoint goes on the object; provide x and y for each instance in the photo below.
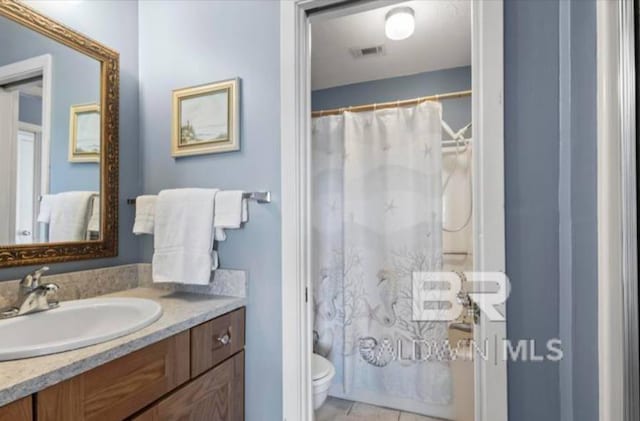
(400, 23)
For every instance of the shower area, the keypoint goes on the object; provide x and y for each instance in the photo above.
(391, 196)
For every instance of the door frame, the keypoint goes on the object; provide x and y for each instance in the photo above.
(488, 197)
(25, 69)
(618, 355)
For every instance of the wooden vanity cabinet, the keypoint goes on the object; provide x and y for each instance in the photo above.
(121, 387)
(21, 410)
(216, 395)
(196, 375)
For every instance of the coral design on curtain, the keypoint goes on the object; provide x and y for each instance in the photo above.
(377, 218)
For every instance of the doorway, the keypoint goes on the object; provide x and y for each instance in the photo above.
(300, 304)
(25, 98)
(391, 151)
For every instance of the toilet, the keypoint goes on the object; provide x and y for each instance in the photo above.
(322, 373)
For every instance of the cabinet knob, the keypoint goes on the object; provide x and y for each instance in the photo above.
(224, 339)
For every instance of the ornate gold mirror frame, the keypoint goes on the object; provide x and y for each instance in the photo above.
(107, 246)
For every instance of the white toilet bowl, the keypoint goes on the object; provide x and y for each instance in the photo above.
(322, 372)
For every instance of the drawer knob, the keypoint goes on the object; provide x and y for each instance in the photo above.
(224, 339)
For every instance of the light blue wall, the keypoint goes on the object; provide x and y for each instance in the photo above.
(114, 23)
(584, 211)
(75, 80)
(531, 182)
(550, 152)
(30, 109)
(456, 112)
(217, 40)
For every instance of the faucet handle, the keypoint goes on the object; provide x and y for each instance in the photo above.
(32, 280)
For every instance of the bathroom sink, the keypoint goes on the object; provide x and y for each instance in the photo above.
(75, 324)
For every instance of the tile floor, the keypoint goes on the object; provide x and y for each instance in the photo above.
(335, 409)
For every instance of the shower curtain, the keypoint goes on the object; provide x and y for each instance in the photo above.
(377, 218)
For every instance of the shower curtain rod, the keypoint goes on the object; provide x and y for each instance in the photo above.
(391, 104)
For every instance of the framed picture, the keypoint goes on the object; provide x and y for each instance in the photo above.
(84, 133)
(205, 119)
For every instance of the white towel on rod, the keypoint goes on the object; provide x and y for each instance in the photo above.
(46, 203)
(94, 219)
(184, 236)
(231, 210)
(70, 213)
(145, 214)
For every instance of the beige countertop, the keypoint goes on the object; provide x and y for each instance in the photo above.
(181, 311)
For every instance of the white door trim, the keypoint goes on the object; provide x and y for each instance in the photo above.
(489, 229)
(28, 68)
(617, 230)
(295, 113)
(488, 194)
(28, 127)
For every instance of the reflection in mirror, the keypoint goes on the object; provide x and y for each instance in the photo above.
(49, 140)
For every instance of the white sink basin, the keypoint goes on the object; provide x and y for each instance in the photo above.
(75, 324)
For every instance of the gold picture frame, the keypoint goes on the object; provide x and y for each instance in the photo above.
(84, 143)
(205, 119)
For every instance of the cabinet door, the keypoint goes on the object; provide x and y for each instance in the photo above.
(17, 411)
(120, 388)
(217, 395)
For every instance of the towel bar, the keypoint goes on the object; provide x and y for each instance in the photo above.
(258, 196)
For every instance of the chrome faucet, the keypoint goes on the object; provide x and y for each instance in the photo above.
(32, 297)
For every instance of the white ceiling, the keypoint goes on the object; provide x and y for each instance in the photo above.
(442, 40)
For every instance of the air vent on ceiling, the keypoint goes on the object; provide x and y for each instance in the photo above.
(376, 50)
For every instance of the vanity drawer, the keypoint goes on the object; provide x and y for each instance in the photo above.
(214, 341)
(217, 395)
(17, 411)
(120, 388)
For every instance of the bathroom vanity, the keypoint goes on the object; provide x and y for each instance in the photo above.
(189, 364)
(193, 374)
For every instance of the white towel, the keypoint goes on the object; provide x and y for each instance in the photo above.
(94, 219)
(70, 213)
(183, 236)
(46, 203)
(145, 214)
(231, 211)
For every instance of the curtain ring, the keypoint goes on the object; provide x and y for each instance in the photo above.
(375, 106)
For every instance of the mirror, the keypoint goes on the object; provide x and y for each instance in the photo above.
(58, 141)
